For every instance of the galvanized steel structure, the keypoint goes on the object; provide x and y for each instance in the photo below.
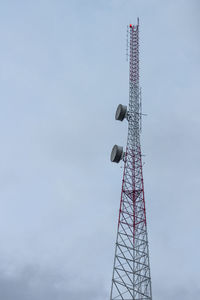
(131, 278)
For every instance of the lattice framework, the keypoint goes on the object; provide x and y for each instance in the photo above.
(131, 278)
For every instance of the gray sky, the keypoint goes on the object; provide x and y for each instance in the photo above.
(63, 71)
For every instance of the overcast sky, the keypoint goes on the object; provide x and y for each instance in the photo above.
(63, 71)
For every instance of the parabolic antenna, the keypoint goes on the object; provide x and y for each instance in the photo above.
(116, 154)
(121, 112)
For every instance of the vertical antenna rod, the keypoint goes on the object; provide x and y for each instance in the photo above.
(131, 278)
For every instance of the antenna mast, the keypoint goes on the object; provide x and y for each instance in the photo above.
(131, 278)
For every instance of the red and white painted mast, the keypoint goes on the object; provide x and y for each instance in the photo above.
(131, 278)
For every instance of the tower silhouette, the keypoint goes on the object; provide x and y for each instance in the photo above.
(131, 278)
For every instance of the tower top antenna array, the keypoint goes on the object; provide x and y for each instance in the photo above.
(131, 278)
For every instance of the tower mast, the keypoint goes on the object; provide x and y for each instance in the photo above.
(131, 278)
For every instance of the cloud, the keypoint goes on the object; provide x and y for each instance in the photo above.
(178, 293)
(34, 283)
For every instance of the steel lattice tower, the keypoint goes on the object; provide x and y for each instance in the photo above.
(131, 272)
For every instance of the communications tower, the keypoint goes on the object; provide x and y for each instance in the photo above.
(131, 278)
